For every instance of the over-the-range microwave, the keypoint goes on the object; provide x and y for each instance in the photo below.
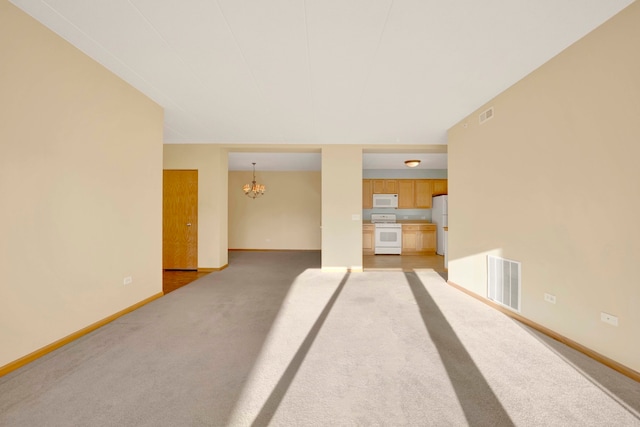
(385, 200)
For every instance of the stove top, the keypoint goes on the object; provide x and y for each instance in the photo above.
(383, 218)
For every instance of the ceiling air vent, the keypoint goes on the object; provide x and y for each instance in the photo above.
(486, 115)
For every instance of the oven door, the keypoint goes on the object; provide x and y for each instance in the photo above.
(388, 239)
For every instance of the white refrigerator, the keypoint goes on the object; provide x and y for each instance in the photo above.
(439, 212)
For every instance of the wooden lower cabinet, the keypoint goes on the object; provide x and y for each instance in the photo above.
(368, 239)
(419, 239)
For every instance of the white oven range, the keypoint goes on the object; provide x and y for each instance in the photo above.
(388, 234)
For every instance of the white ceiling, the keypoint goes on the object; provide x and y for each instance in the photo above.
(320, 71)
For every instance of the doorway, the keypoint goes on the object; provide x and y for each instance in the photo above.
(180, 220)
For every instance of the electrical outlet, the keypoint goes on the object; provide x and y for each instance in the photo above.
(128, 280)
(609, 318)
(550, 298)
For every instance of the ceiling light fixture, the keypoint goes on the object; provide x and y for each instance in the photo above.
(253, 190)
(412, 163)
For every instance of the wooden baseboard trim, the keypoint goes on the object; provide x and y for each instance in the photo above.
(342, 269)
(624, 370)
(211, 270)
(12, 366)
(274, 250)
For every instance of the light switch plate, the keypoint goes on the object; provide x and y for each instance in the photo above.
(609, 318)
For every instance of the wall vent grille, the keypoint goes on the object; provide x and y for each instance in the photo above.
(504, 281)
(486, 115)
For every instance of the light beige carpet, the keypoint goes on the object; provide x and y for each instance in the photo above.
(272, 340)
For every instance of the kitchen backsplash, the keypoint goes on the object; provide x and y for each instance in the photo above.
(424, 214)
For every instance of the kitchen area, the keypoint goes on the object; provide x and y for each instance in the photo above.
(404, 223)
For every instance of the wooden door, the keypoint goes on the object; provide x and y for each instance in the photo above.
(180, 220)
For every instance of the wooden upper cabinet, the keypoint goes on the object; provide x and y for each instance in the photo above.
(406, 194)
(412, 193)
(424, 192)
(385, 186)
(440, 187)
(367, 194)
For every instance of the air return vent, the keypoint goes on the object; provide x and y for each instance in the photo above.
(504, 282)
(486, 115)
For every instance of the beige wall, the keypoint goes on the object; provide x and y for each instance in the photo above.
(341, 199)
(80, 184)
(552, 181)
(286, 217)
(211, 163)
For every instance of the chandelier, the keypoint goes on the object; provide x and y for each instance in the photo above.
(254, 189)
